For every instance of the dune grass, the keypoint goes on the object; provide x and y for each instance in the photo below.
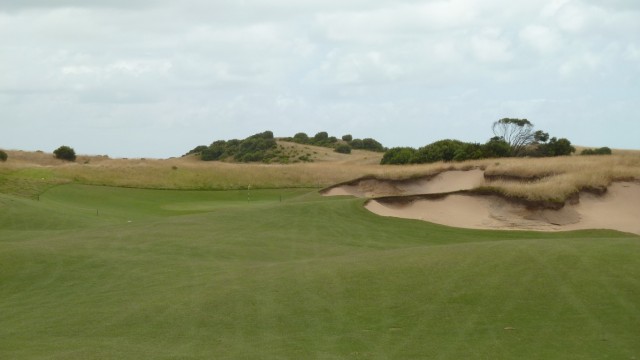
(30, 174)
(91, 272)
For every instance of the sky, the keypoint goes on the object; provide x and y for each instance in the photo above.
(143, 78)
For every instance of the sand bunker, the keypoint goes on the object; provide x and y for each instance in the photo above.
(618, 209)
(448, 181)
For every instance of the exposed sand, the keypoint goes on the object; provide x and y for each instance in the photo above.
(447, 181)
(618, 209)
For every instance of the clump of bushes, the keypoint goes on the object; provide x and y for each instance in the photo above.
(343, 149)
(65, 153)
(323, 139)
(513, 137)
(554, 147)
(258, 147)
(320, 139)
(599, 151)
(455, 150)
(446, 150)
(262, 147)
(367, 144)
(3, 156)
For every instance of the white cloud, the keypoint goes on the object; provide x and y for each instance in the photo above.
(491, 46)
(632, 52)
(357, 68)
(360, 66)
(396, 22)
(542, 38)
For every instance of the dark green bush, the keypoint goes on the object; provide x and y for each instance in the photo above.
(367, 144)
(599, 151)
(320, 137)
(258, 147)
(496, 148)
(197, 150)
(65, 153)
(443, 150)
(398, 156)
(301, 138)
(347, 137)
(446, 150)
(343, 149)
(555, 147)
(356, 144)
(3, 156)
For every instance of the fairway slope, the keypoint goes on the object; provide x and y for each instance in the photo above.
(289, 274)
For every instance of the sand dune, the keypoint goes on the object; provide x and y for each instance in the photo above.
(618, 209)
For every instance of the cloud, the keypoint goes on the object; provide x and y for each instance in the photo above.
(541, 38)
(491, 46)
(213, 69)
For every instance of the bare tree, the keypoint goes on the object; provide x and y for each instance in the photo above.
(518, 133)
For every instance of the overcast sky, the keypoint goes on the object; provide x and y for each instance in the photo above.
(143, 78)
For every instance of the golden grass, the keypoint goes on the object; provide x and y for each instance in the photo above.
(563, 176)
(549, 178)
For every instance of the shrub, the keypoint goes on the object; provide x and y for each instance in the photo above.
(320, 137)
(347, 137)
(398, 156)
(258, 147)
(356, 144)
(443, 150)
(3, 156)
(197, 150)
(496, 148)
(555, 147)
(599, 151)
(301, 138)
(343, 149)
(367, 144)
(372, 145)
(65, 153)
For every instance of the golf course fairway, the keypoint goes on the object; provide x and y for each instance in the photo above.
(90, 272)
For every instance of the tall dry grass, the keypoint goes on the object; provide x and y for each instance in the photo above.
(544, 178)
(559, 178)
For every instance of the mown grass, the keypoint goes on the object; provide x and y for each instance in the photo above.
(94, 272)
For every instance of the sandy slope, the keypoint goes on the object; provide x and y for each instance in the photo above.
(447, 181)
(619, 209)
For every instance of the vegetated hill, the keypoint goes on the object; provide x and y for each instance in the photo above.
(264, 147)
(323, 154)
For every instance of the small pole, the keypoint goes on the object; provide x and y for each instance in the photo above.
(249, 193)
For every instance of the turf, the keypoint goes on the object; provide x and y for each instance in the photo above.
(93, 272)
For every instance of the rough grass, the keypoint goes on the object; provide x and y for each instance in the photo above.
(29, 174)
(100, 272)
